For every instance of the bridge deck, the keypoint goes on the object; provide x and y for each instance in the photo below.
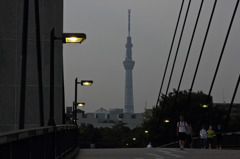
(158, 153)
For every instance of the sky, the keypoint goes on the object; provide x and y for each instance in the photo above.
(100, 57)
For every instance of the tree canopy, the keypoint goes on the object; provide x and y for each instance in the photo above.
(164, 132)
(153, 128)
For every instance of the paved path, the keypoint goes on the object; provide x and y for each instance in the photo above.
(157, 153)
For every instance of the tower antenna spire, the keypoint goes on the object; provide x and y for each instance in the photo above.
(128, 64)
(129, 14)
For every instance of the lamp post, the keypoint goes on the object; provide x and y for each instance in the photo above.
(83, 83)
(167, 134)
(72, 38)
(205, 108)
(73, 114)
(51, 121)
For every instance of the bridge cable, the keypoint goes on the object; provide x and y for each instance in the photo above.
(219, 61)
(230, 107)
(200, 57)
(188, 52)
(169, 55)
(175, 58)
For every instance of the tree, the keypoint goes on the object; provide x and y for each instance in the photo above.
(161, 132)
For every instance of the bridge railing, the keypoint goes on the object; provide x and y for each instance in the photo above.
(41, 143)
(229, 140)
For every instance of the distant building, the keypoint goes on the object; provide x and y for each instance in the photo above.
(104, 118)
(149, 111)
(116, 111)
(101, 114)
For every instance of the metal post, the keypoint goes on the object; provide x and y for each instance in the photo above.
(51, 121)
(75, 102)
(24, 65)
(63, 100)
(73, 113)
(39, 62)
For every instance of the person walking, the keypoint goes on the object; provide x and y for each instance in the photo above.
(149, 145)
(203, 136)
(210, 134)
(189, 135)
(219, 136)
(181, 132)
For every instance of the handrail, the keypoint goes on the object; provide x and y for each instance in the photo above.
(11, 136)
(43, 142)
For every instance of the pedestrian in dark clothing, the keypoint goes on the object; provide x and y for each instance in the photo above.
(189, 134)
(219, 136)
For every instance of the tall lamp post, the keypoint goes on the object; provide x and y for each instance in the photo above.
(73, 110)
(82, 83)
(71, 38)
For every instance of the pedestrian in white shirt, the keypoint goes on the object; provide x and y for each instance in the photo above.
(181, 132)
(203, 136)
(149, 145)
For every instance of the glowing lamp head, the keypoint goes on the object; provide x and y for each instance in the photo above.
(134, 139)
(86, 82)
(166, 121)
(146, 132)
(205, 106)
(74, 38)
(80, 104)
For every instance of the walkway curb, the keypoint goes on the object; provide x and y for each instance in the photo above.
(73, 154)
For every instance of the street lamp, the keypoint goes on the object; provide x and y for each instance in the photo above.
(66, 38)
(86, 82)
(82, 83)
(73, 38)
(134, 139)
(146, 131)
(205, 106)
(166, 121)
(80, 104)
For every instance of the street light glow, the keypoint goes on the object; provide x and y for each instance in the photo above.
(86, 82)
(134, 139)
(146, 132)
(73, 38)
(205, 106)
(166, 121)
(81, 104)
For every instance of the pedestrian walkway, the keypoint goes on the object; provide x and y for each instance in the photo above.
(157, 153)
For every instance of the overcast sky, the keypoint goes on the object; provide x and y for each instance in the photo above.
(100, 57)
